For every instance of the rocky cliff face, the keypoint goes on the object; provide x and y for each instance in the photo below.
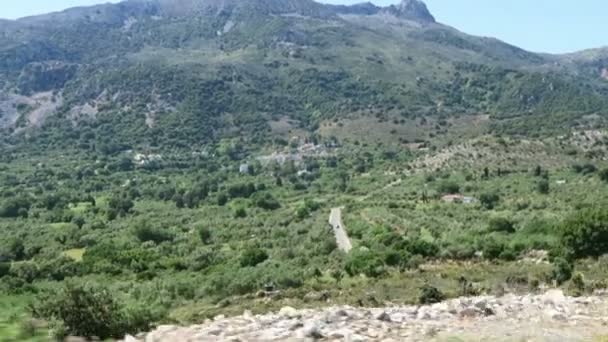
(413, 10)
(548, 317)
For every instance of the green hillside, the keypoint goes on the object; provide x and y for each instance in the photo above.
(168, 73)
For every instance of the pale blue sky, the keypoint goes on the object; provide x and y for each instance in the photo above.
(537, 25)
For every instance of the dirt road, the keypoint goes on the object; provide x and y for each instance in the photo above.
(335, 220)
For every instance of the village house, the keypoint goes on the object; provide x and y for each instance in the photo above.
(457, 198)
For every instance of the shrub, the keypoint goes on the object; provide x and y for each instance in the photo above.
(543, 186)
(562, 271)
(267, 202)
(16, 207)
(577, 285)
(501, 225)
(204, 233)
(121, 205)
(144, 232)
(253, 256)
(423, 248)
(91, 311)
(430, 295)
(492, 247)
(364, 262)
(584, 169)
(222, 199)
(604, 175)
(448, 187)
(489, 200)
(5, 267)
(240, 213)
(585, 234)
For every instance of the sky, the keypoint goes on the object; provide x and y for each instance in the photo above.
(555, 26)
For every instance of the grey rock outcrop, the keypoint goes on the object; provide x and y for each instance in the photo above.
(548, 317)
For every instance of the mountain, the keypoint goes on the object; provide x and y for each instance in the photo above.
(183, 73)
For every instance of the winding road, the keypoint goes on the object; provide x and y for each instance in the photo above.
(335, 220)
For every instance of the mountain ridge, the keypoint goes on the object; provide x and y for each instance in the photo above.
(234, 66)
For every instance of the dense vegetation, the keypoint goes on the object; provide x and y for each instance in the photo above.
(187, 237)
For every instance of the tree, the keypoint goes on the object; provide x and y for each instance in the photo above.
(91, 311)
(144, 232)
(364, 262)
(13, 249)
(79, 221)
(16, 207)
(604, 175)
(430, 295)
(5, 268)
(240, 213)
(448, 187)
(489, 200)
(253, 256)
(562, 270)
(267, 202)
(585, 234)
(501, 225)
(486, 173)
(543, 186)
(204, 233)
(121, 205)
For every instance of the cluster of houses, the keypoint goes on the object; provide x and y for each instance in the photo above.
(457, 198)
(297, 156)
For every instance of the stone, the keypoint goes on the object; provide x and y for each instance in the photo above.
(468, 313)
(384, 317)
(75, 339)
(554, 297)
(481, 304)
(129, 338)
(289, 312)
(356, 338)
(555, 315)
(310, 330)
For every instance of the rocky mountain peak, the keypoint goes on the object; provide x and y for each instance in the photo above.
(412, 9)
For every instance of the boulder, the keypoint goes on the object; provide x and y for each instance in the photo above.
(310, 330)
(554, 297)
(384, 317)
(289, 312)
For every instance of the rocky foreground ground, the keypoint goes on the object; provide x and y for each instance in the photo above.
(548, 317)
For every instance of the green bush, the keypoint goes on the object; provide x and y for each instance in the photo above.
(501, 225)
(144, 232)
(604, 175)
(543, 186)
(5, 267)
(430, 295)
(492, 247)
(240, 213)
(562, 270)
(489, 200)
(448, 187)
(267, 202)
(204, 233)
(91, 311)
(253, 256)
(16, 207)
(364, 262)
(585, 234)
